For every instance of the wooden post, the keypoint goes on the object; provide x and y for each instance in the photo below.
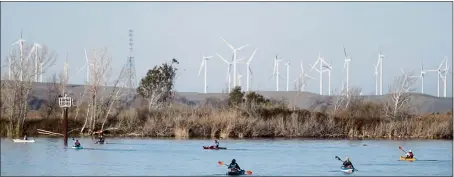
(65, 124)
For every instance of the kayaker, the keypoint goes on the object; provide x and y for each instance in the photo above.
(77, 144)
(101, 139)
(216, 143)
(409, 154)
(25, 137)
(234, 165)
(347, 163)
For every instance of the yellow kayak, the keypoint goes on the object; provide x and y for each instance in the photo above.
(407, 159)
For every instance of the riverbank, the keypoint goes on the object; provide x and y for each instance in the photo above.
(235, 123)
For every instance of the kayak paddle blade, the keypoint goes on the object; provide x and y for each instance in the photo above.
(249, 172)
(221, 163)
(400, 148)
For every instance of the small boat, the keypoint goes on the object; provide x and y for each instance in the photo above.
(407, 159)
(213, 147)
(79, 147)
(23, 141)
(347, 170)
(236, 172)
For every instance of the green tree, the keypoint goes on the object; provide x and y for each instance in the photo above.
(157, 85)
(253, 98)
(236, 96)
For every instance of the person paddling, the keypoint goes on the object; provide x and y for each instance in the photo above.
(25, 137)
(234, 165)
(347, 163)
(409, 154)
(100, 140)
(216, 143)
(77, 144)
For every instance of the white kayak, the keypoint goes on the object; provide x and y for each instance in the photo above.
(23, 141)
(347, 170)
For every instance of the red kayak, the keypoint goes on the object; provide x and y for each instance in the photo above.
(213, 147)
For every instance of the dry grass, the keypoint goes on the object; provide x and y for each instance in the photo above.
(183, 122)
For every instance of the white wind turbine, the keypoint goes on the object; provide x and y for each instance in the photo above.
(379, 63)
(249, 70)
(287, 64)
(347, 68)
(443, 75)
(21, 48)
(439, 71)
(329, 68)
(407, 76)
(276, 70)
(302, 77)
(234, 62)
(322, 63)
(204, 64)
(423, 72)
(87, 64)
(41, 71)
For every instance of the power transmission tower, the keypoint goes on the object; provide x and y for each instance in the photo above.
(131, 71)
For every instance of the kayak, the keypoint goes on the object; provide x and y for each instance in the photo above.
(407, 159)
(213, 147)
(234, 172)
(347, 170)
(80, 147)
(23, 141)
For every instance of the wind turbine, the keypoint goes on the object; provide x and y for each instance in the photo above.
(423, 72)
(379, 63)
(407, 76)
(234, 62)
(347, 67)
(87, 64)
(321, 63)
(439, 71)
(248, 68)
(276, 70)
(443, 75)
(228, 70)
(302, 77)
(204, 63)
(21, 48)
(287, 64)
(329, 68)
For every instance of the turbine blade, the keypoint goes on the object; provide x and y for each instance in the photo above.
(345, 53)
(250, 71)
(250, 59)
(223, 58)
(241, 48)
(201, 66)
(228, 44)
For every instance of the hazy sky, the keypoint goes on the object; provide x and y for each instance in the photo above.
(406, 32)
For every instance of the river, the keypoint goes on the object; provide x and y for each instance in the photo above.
(154, 157)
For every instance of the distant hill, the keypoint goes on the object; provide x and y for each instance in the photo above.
(304, 100)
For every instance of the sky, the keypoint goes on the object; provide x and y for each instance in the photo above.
(407, 33)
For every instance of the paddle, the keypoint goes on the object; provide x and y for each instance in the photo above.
(343, 162)
(402, 149)
(222, 164)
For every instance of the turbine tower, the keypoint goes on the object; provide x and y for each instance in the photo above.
(347, 68)
(21, 48)
(444, 74)
(249, 70)
(229, 66)
(287, 64)
(302, 78)
(234, 62)
(423, 72)
(439, 73)
(322, 63)
(276, 70)
(131, 71)
(379, 64)
(204, 64)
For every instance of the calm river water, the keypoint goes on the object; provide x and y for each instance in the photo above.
(127, 156)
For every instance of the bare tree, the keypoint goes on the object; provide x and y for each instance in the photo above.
(398, 102)
(51, 104)
(16, 88)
